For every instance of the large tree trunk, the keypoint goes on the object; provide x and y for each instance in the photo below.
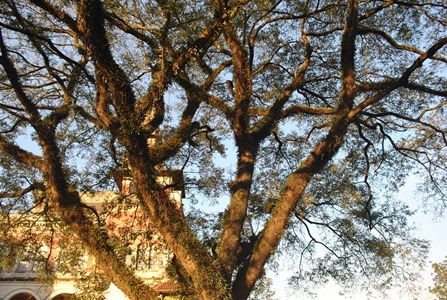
(69, 207)
(170, 221)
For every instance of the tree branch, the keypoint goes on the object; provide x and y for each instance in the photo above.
(21, 193)
(321, 154)
(20, 155)
(264, 126)
(13, 77)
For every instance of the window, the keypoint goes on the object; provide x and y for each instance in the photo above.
(147, 257)
(24, 266)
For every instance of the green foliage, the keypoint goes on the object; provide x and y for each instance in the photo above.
(297, 118)
(264, 289)
(440, 280)
(91, 286)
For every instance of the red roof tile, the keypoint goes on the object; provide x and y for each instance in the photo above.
(166, 287)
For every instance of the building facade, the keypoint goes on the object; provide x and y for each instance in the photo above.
(143, 249)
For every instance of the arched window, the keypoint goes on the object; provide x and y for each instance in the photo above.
(23, 296)
(62, 297)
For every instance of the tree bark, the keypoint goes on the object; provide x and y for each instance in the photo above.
(314, 163)
(170, 221)
(69, 207)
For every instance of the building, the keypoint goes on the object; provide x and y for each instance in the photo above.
(143, 249)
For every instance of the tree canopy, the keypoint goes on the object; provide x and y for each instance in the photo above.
(303, 116)
(440, 280)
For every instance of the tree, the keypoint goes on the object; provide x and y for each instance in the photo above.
(328, 105)
(440, 280)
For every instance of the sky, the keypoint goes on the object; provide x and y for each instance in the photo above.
(429, 227)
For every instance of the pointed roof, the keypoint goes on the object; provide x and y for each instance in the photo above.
(166, 287)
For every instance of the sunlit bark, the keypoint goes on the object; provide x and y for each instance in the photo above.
(302, 90)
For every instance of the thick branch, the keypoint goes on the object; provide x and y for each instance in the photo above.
(91, 16)
(402, 81)
(236, 212)
(169, 219)
(347, 61)
(21, 155)
(242, 74)
(70, 208)
(393, 43)
(128, 28)
(184, 130)
(57, 13)
(297, 181)
(289, 196)
(14, 78)
(263, 127)
(23, 192)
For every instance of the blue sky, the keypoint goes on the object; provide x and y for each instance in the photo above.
(429, 227)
